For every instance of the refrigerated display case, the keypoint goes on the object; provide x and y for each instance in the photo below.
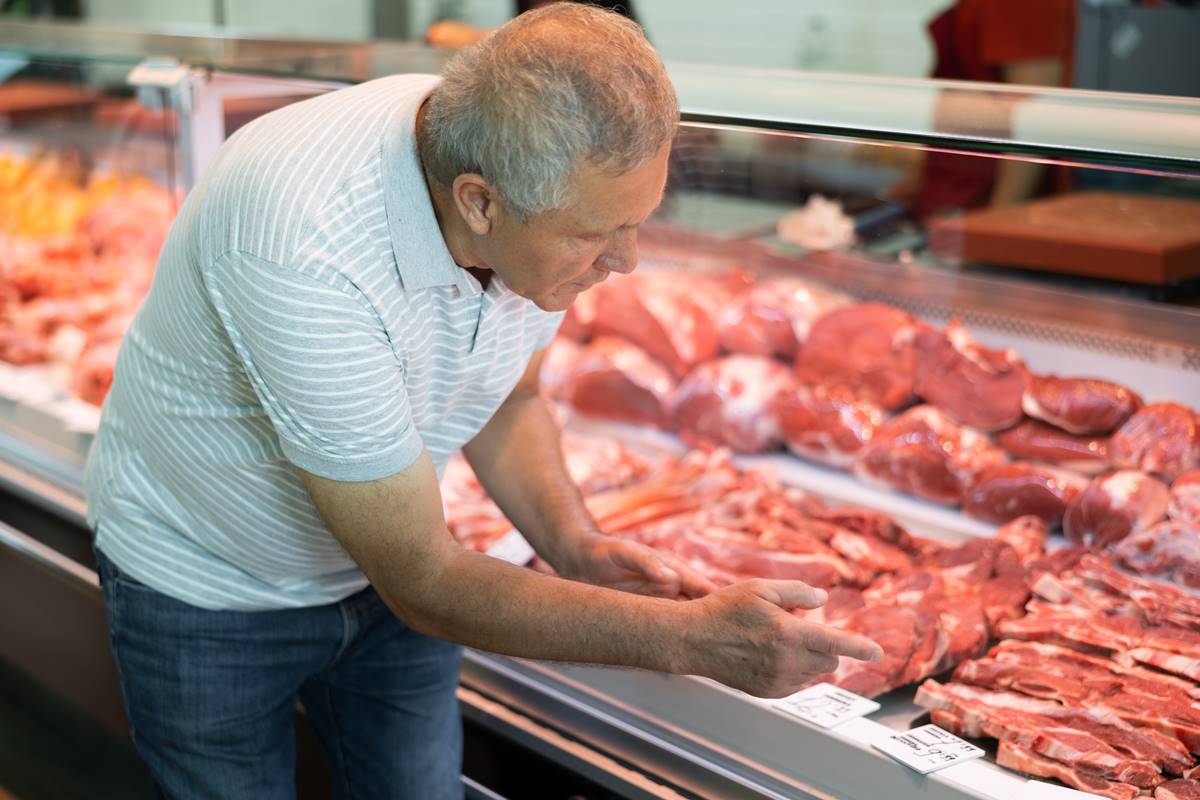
(864, 189)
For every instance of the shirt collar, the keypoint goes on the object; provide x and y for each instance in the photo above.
(422, 258)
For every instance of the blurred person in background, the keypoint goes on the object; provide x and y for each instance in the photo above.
(1025, 42)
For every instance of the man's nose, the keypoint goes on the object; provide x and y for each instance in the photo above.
(622, 256)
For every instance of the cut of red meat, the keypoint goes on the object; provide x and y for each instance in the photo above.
(1022, 759)
(826, 424)
(874, 554)
(1140, 744)
(1004, 492)
(1168, 550)
(897, 631)
(93, 372)
(1026, 536)
(730, 401)
(965, 625)
(616, 380)
(743, 555)
(661, 314)
(1076, 740)
(773, 317)
(1158, 602)
(865, 347)
(1182, 789)
(1134, 694)
(1163, 438)
(557, 365)
(974, 385)
(1184, 504)
(1037, 441)
(1113, 506)
(923, 453)
(1080, 405)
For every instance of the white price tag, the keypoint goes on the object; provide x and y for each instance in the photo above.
(513, 548)
(927, 748)
(1039, 790)
(825, 705)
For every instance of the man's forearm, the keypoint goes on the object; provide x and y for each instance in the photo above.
(518, 459)
(491, 605)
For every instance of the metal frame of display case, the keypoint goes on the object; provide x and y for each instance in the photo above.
(641, 734)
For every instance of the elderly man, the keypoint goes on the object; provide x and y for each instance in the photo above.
(361, 285)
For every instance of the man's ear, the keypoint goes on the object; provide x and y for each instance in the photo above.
(476, 202)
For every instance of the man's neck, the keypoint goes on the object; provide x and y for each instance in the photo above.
(454, 230)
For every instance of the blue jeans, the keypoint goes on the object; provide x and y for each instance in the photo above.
(210, 695)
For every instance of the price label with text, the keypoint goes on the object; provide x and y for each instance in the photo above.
(927, 748)
(825, 705)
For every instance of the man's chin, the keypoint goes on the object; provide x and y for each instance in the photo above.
(559, 301)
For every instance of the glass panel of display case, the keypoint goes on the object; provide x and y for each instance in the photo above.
(89, 184)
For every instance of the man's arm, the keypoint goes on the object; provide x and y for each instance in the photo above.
(518, 460)
(741, 635)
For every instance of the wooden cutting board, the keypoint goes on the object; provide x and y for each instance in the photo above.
(1124, 237)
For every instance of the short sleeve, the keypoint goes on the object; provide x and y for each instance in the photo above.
(322, 367)
(1026, 30)
(550, 324)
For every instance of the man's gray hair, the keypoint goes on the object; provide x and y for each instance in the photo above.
(553, 89)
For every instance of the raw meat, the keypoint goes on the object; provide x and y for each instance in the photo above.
(1022, 759)
(1182, 789)
(865, 347)
(826, 424)
(1003, 492)
(1163, 438)
(663, 314)
(1080, 405)
(730, 401)
(1037, 441)
(1184, 504)
(1113, 506)
(923, 453)
(974, 385)
(557, 365)
(1133, 694)
(93, 372)
(1158, 602)
(1171, 649)
(1114, 751)
(1026, 536)
(616, 380)
(1167, 550)
(772, 318)
(1145, 745)
(900, 632)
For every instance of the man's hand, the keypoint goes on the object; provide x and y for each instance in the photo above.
(752, 643)
(632, 567)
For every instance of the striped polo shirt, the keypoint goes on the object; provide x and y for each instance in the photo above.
(305, 313)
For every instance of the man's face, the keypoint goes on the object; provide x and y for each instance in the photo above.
(555, 255)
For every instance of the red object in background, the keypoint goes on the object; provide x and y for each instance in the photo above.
(974, 40)
(616, 380)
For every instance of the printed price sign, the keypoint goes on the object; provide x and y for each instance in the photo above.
(927, 748)
(513, 548)
(825, 705)
(1037, 790)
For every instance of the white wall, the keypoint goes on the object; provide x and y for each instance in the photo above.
(866, 36)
